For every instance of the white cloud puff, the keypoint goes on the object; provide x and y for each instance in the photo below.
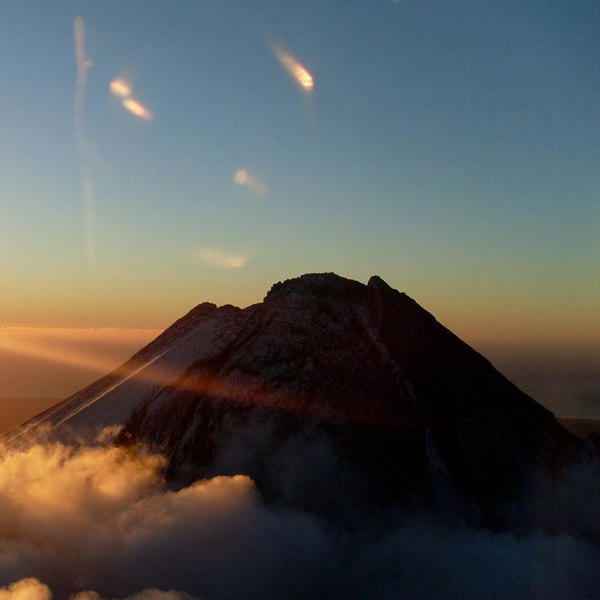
(32, 589)
(26, 589)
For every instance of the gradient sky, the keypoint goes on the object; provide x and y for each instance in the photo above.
(451, 147)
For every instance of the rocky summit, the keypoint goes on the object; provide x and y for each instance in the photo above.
(331, 395)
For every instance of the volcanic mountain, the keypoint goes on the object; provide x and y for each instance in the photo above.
(331, 395)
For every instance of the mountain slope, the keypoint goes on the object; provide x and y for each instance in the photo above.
(330, 394)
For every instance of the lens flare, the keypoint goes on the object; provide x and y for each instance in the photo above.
(120, 88)
(294, 68)
(138, 109)
(87, 183)
(241, 177)
(244, 178)
(217, 258)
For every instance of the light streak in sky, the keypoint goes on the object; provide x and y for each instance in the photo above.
(87, 184)
(120, 88)
(79, 44)
(244, 178)
(53, 353)
(89, 349)
(217, 258)
(294, 67)
(138, 109)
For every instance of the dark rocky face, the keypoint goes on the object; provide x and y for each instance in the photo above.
(331, 390)
(333, 395)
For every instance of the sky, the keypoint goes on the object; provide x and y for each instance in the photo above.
(451, 148)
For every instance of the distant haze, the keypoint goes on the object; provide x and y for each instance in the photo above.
(563, 377)
(41, 365)
(14, 411)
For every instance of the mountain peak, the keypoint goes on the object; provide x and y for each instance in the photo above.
(401, 406)
(317, 284)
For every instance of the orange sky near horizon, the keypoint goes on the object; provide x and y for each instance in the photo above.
(56, 362)
(60, 352)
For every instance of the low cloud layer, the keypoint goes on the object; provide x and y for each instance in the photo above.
(32, 589)
(102, 518)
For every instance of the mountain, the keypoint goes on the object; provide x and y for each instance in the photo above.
(332, 395)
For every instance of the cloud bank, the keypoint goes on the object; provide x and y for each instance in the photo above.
(32, 589)
(103, 518)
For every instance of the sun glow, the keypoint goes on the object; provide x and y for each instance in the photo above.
(89, 349)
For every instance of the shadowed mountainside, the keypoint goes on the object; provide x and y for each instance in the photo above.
(331, 395)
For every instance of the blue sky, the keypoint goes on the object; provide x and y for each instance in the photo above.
(450, 147)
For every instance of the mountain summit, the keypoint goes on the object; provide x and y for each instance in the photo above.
(329, 394)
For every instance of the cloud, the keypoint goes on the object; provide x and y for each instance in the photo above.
(26, 589)
(102, 518)
(32, 589)
(149, 594)
(218, 258)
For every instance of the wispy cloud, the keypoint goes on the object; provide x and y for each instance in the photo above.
(218, 258)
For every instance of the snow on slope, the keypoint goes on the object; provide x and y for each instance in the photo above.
(198, 336)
